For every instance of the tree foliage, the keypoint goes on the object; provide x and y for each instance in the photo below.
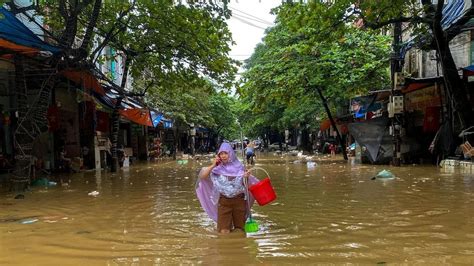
(201, 103)
(308, 46)
(223, 115)
(173, 48)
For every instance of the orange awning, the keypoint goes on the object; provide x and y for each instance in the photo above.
(139, 115)
(4, 44)
(84, 79)
(325, 125)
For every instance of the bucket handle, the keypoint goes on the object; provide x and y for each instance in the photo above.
(260, 168)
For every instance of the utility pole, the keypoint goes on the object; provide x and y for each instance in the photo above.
(396, 101)
(192, 133)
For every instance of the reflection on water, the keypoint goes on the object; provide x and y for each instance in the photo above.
(330, 213)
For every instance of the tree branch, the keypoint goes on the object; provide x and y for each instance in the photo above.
(379, 25)
(110, 34)
(141, 94)
(92, 24)
(70, 29)
(62, 9)
(32, 19)
(15, 9)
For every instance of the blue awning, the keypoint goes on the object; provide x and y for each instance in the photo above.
(14, 31)
(128, 103)
(452, 12)
(167, 123)
(156, 117)
(469, 68)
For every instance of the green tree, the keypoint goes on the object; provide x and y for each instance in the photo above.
(223, 115)
(308, 49)
(169, 47)
(160, 36)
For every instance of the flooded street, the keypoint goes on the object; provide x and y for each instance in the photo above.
(332, 213)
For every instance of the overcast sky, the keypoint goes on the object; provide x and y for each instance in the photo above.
(248, 23)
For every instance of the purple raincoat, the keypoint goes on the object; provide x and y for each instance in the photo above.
(208, 196)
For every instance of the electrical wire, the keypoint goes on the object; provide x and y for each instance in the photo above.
(249, 23)
(250, 15)
(251, 19)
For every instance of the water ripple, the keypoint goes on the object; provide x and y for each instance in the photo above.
(332, 214)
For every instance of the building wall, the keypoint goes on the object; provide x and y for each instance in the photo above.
(7, 70)
(461, 49)
(113, 68)
(69, 129)
(431, 68)
(423, 64)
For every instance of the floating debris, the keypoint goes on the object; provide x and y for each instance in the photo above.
(29, 221)
(93, 193)
(43, 182)
(20, 196)
(384, 174)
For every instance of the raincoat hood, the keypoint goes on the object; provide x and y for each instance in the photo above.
(233, 167)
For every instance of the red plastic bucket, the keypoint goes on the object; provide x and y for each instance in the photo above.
(263, 192)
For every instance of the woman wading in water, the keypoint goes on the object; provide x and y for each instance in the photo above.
(221, 190)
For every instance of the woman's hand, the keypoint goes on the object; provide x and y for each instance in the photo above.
(216, 162)
(206, 171)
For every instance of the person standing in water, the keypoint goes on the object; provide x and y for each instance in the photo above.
(250, 153)
(221, 190)
(332, 149)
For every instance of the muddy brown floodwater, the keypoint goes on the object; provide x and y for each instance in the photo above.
(330, 213)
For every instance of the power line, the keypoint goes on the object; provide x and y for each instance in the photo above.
(250, 15)
(250, 20)
(249, 23)
(253, 19)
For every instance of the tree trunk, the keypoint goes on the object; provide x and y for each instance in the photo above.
(175, 141)
(339, 139)
(454, 83)
(90, 27)
(305, 140)
(115, 130)
(116, 118)
(70, 30)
